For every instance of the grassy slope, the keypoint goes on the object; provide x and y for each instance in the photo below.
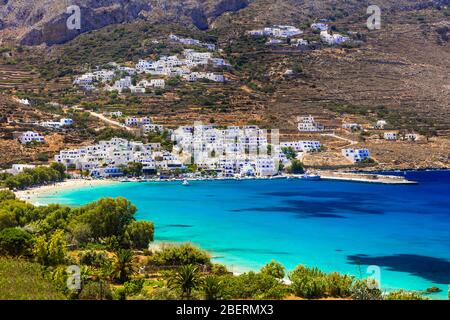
(21, 280)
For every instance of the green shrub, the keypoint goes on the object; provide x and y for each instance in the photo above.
(274, 269)
(252, 285)
(134, 287)
(179, 255)
(15, 242)
(139, 234)
(7, 195)
(404, 295)
(366, 289)
(212, 287)
(219, 269)
(308, 283)
(96, 290)
(163, 294)
(339, 286)
(93, 258)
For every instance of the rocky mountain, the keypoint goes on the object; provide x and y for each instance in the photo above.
(45, 21)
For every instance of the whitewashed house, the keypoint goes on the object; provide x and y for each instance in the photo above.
(308, 124)
(135, 122)
(31, 136)
(147, 128)
(122, 84)
(380, 125)
(65, 122)
(25, 102)
(411, 137)
(356, 155)
(19, 168)
(333, 39)
(302, 146)
(392, 136)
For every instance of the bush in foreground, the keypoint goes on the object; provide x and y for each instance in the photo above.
(180, 255)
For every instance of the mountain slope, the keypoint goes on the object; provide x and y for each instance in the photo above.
(44, 21)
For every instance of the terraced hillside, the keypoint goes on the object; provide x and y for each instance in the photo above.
(16, 77)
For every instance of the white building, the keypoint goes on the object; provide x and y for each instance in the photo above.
(380, 125)
(308, 124)
(319, 26)
(147, 128)
(65, 122)
(282, 31)
(19, 168)
(411, 137)
(134, 121)
(25, 102)
(333, 39)
(390, 136)
(31, 136)
(106, 157)
(356, 155)
(302, 146)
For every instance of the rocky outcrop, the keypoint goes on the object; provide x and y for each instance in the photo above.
(44, 21)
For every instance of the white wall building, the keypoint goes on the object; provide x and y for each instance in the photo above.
(392, 136)
(135, 122)
(302, 146)
(333, 39)
(356, 155)
(31, 136)
(308, 124)
(19, 168)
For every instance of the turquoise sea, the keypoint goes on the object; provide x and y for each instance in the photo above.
(336, 226)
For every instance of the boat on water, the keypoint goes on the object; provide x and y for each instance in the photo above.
(310, 176)
(124, 180)
(185, 182)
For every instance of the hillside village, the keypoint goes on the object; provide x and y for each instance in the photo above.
(340, 139)
(119, 78)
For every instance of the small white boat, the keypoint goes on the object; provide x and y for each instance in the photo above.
(185, 182)
(310, 176)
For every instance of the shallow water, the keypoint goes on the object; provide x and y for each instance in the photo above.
(336, 226)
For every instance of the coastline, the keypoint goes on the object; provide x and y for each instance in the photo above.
(33, 194)
(365, 178)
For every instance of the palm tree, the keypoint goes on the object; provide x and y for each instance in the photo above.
(212, 287)
(123, 266)
(185, 279)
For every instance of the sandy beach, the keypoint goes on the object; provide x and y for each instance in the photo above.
(32, 195)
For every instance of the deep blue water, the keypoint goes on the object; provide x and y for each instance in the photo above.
(336, 226)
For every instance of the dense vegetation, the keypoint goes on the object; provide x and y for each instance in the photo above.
(104, 252)
(56, 172)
